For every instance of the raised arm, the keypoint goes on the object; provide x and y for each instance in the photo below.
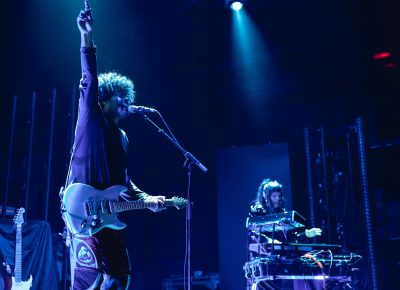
(85, 25)
(89, 84)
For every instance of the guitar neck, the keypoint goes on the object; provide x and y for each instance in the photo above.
(120, 206)
(18, 257)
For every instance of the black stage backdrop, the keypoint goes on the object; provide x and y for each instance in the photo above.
(240, 171)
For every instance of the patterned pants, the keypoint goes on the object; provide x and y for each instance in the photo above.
(100, 261)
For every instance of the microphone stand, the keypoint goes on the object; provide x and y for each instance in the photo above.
(190, 160)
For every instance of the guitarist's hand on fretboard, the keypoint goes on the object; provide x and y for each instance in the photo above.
(157, 202)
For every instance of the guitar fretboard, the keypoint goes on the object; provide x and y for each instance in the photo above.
(18, 257)
(120, 206)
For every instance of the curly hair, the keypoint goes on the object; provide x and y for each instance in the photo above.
(114, 84)
(266, 188)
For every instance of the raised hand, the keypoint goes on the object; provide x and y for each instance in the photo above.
(85, 25)
(85, 20)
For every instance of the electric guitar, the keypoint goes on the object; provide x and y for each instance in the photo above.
(17, 282)
(87, 210)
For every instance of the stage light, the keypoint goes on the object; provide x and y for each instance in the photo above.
(382, 55)
(235, 5)
(386, 59)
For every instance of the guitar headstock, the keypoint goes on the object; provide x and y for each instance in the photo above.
(19, 217)
(179, 202)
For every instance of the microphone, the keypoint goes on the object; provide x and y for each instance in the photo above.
(140, 109)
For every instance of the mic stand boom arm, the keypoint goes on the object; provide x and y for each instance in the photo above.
(189, 156)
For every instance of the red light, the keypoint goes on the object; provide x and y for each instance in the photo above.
(382, 55)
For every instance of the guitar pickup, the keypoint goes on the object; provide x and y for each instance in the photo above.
(90, 208)
(105, 206)
(86, 208)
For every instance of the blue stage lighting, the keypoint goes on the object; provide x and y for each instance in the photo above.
(236, 5)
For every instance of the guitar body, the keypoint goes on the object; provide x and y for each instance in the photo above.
(21, 285)
(76, 198)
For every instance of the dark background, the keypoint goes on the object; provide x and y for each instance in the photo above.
(299, 64)
(246, 165)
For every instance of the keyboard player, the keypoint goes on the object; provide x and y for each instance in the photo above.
(270, 200)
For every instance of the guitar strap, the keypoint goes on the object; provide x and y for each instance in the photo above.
(70, 160)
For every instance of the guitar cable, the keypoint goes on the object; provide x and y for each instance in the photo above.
(316, 261)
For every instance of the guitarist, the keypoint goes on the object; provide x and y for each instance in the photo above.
(99, 159)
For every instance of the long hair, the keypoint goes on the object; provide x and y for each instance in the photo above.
(114, 84)
(266, 188)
